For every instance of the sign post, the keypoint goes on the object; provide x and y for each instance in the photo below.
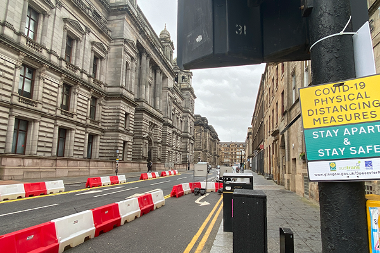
(342, 129)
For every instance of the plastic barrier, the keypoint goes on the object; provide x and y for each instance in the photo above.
(177, 191)
(186, 188)
(106, 218)
(105, 180)
(93, 182)
(154, 175)
(173, 172)
(122, 179)
(176, 171)
(195, 185)
(157, 174)
(158, 198)
(40, 238)
(203, 185)
(72, 230)
(54, 186)
(35, 189)
(218, 186)
(12, 191)
(114, 179)
(210, 187)
(145, 203)
(163, 173)
(149, 175)
(169, 173)
(129, 210)
(144, 176)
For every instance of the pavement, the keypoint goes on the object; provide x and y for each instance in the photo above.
(285, 209)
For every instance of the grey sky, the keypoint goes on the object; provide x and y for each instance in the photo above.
(226, 96)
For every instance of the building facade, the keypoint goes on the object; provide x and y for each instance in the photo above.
(232, 153)
(206, 141)
(84, 83)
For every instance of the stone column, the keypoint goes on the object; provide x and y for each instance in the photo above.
(39, 31)
(23, 17)
(64, 38)
(34, 137)
(45, 25)
(17, 76)
(137, 76)
(91, 62)
(143, 75)
(55, 140)
(74, 99)
(78, 47)
(158, 90)
(133, 76)
(10, 130)
(59, 96)
(127, 83)
(74, 51)
(69, 145)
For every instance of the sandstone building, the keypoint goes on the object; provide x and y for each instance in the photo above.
(84, 82)
(232, 153)
(206, 141)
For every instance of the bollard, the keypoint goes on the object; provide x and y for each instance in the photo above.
(249, 221)
(286, 240)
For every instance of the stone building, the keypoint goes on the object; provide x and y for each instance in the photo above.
(231, 153)
(206, 141)
(84, 83)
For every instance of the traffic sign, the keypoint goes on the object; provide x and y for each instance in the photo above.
(342, 129)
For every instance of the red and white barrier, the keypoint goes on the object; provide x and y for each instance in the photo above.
(186, 188)
(106, 218)
(40, 238)
(210, 187)
(114, 179)
(158, 198)
(35, 189)
(157, 174)
(177, 191)
(55, 186)
(122, 179)
(145, 203)
(129, 210)
(105, 181)
(93, 182)
(72, 230)
(12, 191)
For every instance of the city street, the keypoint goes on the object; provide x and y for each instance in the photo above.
(167, 229)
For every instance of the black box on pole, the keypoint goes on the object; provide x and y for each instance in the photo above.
(249, 221)
(286, 240)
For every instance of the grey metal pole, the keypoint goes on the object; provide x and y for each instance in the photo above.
(342, 204)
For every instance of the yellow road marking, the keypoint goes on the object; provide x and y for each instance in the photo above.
(167, 196)
(207, 234)
(196, 236)
(80, 190)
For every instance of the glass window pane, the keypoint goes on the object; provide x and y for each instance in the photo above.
(34, 15)
(62, 133)
(21, 142)
(29, 73)
(23, 125)
(61, 144)
(28, 85)
(21, 82)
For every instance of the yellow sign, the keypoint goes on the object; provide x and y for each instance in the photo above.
(348, 102)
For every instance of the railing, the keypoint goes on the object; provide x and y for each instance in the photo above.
(33, 45)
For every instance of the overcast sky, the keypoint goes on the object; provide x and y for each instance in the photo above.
(225, 96)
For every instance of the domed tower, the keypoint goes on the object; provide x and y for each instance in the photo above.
(167, 44)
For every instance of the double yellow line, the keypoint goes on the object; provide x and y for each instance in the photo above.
(208, 231)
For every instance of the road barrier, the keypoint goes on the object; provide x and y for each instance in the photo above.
(177, 191)
(144, 176)
(35, 189)
(157, 174)
(74, 229)
(93, 182)
(105, 180)
(106, 218)
(210, 187)
(129, 210)
(122, 179)
(114, 180)
(12, 191)
(145, 203)
(54, 186)
(149, 175)
(186, 188)
(158, 198)
(40, 238)
(218, 186)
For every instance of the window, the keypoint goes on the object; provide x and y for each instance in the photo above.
(25, 87)
(31, 24)
(61, 142)
(95, 66)
(69, 48)
(93, 108)
(126, 120)
(66, 97)
(89, 145)
(19, 136)
(282, 103)
(294, 87)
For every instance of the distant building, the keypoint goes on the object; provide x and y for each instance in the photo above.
(231, 153)
(84, 83)
(206, 141)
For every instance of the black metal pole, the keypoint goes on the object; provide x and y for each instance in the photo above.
(342, 204)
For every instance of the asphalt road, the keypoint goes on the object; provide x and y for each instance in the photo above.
(170, 228)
